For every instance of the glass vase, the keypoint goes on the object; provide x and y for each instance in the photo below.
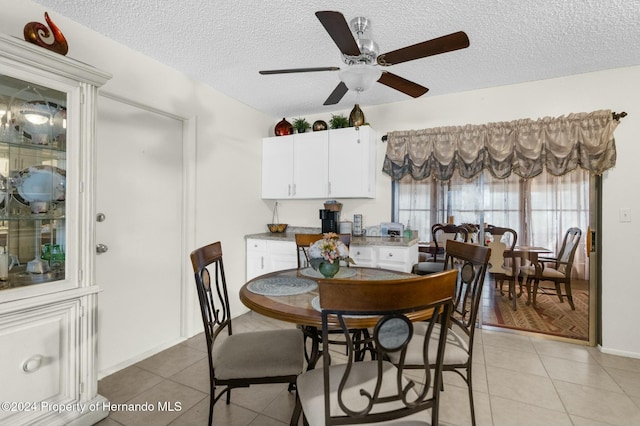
(329, 270)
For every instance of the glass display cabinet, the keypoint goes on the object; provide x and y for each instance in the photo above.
(48, 294)
(33, 130)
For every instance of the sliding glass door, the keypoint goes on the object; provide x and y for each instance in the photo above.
(541, 210)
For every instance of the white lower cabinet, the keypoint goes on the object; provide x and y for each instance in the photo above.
(42, 369)
(264, 256)
(363, 255)
(386, 257)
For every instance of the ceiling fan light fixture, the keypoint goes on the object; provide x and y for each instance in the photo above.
(360, 77)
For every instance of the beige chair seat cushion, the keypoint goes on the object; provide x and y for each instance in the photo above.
(363, 375)
(546, 272)
(280, 352)
(456, 351)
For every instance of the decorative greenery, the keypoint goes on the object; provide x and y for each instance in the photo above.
(328, 249)
(338, 121)
(301, 125)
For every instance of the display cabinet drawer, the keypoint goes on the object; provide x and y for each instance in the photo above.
(37, 351)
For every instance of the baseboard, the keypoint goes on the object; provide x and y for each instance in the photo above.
(618, 352)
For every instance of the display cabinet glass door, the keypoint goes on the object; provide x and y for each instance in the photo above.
(33, 130)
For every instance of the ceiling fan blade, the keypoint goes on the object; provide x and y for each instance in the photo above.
(338, 28)
(401, 84)
(337, 94)
(294, 70)
(432, 47)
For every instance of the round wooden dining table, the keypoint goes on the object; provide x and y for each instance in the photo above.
(291, 295)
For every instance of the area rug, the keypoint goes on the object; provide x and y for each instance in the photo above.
(549, 317)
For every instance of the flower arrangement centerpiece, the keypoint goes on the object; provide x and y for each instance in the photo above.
(325, 254)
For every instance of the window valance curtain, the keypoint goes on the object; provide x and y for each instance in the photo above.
(523, 147)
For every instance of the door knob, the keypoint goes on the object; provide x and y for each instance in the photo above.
(100, 217)
(102, 248)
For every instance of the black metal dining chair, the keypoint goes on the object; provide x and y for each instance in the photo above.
(244, 359)
(471, 262)
(376, 391)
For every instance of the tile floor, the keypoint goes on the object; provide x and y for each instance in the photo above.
(518, 380)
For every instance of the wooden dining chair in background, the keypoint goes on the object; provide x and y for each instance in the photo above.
(303, 241)
(239, 360)
(441, 234)
(374, 391)
(504, 264)
(556, 269)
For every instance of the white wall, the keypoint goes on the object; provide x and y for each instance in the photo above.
(228, 203)
(228, 141)
(615, 89)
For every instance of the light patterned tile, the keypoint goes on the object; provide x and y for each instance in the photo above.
(583, 421)
(597, 404)
(518, 361)
(127, 383)
(168, 400)
(507, 412)
(526, 388)
(582, 373)
(629, 381)
(615, 361)
(169, 362)
(507, 340)
(455, 410)
(570, 351)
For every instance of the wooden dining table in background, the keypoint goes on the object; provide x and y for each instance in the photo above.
(528, 253)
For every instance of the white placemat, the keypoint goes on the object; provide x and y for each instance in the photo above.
(281, 286)
(343, 272)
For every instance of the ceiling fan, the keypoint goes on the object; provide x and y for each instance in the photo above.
(360, 54)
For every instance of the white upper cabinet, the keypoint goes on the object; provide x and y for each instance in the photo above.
(277, 165)
(310, 165)
(336, 163)
(352, 161)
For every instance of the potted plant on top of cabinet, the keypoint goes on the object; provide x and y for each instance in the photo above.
(301, 125)
(338, 121)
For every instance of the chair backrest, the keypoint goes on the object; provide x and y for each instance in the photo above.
(211, 284)
(442, 233)
(496, 261)
(506, 235)
(471, 261)
(568, 250)
(303, 241)
(373, 391)
(474, 232)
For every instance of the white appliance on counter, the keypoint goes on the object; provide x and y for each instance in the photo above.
(391, 229)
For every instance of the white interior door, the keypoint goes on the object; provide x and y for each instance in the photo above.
(139, 191)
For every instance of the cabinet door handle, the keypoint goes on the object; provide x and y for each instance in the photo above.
(102, 248)
(32, 364)
(261, 262)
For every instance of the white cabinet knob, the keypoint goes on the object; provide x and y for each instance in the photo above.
(32, 364)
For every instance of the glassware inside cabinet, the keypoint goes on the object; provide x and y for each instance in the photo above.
(33, 130)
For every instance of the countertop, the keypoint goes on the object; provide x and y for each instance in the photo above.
(358, 241)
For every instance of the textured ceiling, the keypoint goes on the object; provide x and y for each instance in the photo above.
(226, 43)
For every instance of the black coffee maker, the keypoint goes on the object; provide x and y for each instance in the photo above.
(330, 221)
